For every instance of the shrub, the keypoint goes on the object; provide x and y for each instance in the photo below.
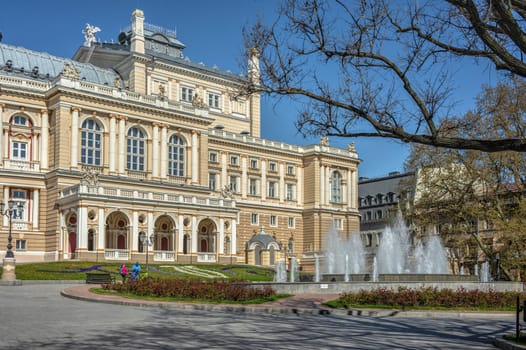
(219, 291)
(431, 297)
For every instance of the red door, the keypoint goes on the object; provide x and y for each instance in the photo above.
(121, 242)
(72, 242)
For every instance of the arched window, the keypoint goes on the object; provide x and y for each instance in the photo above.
(136, 149)
(176, 148)
(91, 145)
(336, 187)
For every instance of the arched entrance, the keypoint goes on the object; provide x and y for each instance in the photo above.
(207, 238)
(71, 226)
(164, 239)
(116, 236)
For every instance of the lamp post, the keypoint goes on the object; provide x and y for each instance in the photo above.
(146, 240)
(9, 260)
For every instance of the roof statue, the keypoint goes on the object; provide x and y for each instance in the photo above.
(89, 34)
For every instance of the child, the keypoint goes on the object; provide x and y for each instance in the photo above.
(136, 271)
(123, 271)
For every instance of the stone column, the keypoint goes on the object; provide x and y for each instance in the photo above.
(2, 133)
(164, 150)
(122, 144)
(135, 232)
(224, 178)
(112, 143)
(244, 177)
(263, 179)
(221, 248)
(194, 235)
(101, 235)
(36, 208)
(180, 228)
(299, 188)
(350, 190)
(6, 198)
(74, 136)
(322, 185)
(82, 228)
(281, 187)
(195, 159)
(233, 241)
(44, 156)
(155, 151)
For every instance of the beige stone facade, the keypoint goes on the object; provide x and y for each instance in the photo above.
(131, 141)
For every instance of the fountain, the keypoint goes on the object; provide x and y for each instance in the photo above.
(281, 272)
(484, 272)
(293, 269)
(344, 256)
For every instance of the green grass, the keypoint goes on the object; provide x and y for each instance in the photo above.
(73, 270)
(512, 337)
(337, 304)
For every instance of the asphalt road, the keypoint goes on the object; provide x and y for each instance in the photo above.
(37, 316)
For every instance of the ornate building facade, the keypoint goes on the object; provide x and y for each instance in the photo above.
(130, 149)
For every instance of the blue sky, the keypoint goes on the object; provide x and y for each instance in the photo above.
(212, 33)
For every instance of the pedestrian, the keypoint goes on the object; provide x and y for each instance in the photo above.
(136, 271)
(123, 271)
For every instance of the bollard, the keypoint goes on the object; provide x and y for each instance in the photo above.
(517, 319)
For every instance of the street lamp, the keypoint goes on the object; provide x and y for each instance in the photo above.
(12, 208)
(146, 240)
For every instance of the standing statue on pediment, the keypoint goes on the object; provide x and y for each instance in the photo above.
(324, 141)
(89, 34)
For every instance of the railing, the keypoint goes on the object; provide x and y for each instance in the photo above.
(169, 198)
(21, 165)
(206, 257)
(141, 175)
(19, 225)
(163, 255)
(116, 254)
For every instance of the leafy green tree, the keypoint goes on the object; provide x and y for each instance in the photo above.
(459, 188)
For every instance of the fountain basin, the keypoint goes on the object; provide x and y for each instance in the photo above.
(403, 277)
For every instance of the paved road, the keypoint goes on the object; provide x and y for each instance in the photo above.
(36, 316)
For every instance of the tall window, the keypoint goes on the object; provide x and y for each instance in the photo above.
(91, 137)
(187, 94)
(233, 184)
(273, 220)
(253, 187)
(336, 187)
(272, 189)
(176, 147)
(19, 150)
(213, 100)
(212, 181)
(19, 196)
(290, 192)
(254, 219)
(136, 149)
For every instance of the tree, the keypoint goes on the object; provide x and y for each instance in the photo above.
(380, 68)
(478, 199)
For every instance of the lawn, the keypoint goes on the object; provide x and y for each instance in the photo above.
(76, 270)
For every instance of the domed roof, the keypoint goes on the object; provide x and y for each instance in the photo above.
(264, 239)
(43, 65)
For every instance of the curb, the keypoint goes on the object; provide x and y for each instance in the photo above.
(504, 344)
(279, 309)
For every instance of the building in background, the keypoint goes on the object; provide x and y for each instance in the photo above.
(379, 200)
(131, 149)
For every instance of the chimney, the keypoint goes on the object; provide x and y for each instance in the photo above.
(137, 36)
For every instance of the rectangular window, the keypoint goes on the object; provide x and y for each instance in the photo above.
(273, 167)
(273, 220)
(290, 169)
(253, 164)
(20, 244)
(187, 94)
(253, 187)
(338, 224)
(233, 184)
(212, 182)
(291, 222)
(214, 100)
(272, 189)
(212, 157)
(234, 160)
(290, 192)
(19, 150)
(19, 196)
(254, 219)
